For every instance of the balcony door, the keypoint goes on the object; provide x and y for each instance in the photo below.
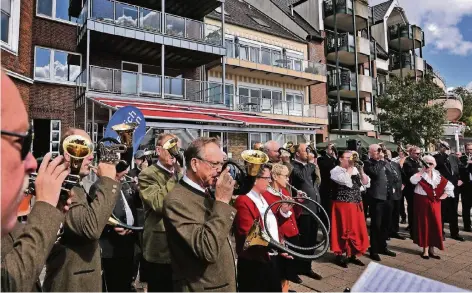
(130, 73)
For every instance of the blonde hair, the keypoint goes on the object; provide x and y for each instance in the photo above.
(277, 169)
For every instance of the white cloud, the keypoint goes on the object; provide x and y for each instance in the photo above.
(439, 20)
(469, 86)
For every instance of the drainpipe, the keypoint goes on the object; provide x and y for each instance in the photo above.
(338, 71)
(357, 67)
(223, 59)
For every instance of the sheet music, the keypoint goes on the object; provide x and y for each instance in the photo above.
(380, 278)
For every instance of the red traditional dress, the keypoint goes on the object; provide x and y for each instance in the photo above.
(348, 226)
(428, 226)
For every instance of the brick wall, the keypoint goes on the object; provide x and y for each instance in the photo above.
(316, 52)
(237, 143)
(24, 89)
(22, 63)
(53, 34)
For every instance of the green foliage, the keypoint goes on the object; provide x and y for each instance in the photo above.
(407, 112)
(466, 96)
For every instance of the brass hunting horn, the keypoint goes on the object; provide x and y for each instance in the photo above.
(126, 132)
(172, 147)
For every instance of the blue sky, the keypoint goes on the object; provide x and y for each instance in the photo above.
(448, 35)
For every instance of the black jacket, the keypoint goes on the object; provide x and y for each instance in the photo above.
(383, 179)
(410, 168)
(465, 170)
(448, 166)
(397, 185)
(112, 244)
(326, 164)
(303, 178)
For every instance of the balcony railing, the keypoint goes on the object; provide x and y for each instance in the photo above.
(409, 31)
(346, 43)
(132, 16)
(345, 78)
(144, 84)
(342, 6)
(349, 120)
(274, 58)
(406, 61)
(280, 107)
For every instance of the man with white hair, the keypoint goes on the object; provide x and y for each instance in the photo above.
(383, 179)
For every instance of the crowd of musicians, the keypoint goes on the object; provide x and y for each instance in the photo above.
(190, 214)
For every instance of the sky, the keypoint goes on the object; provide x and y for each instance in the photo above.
(447, 25)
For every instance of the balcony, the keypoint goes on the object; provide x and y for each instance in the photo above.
(349, 121)
(453, 104)
(404, 37)
(347, 84)
(118, 82)
(195, 9)
(137, 31)
(344, 14)
(263, 63)
(292, 110)
(367, 126)
(382, 65)
(346, 48)
(404, 64)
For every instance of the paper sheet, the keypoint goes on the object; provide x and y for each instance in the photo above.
(380, 278)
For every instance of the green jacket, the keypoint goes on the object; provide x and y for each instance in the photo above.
(154, 185)
(74, 263)
(25, 249)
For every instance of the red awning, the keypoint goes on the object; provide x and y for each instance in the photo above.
(156, 110)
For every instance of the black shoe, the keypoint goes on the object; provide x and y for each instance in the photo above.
(458, 238)
(434, 256)
(424, 256)
(313, 275)
(341, 261)
(388, 252)
(375, 256)
(356, 261)
(467, 229)
(398, 236)
(444, 236)
(289, 290)
(295, 279)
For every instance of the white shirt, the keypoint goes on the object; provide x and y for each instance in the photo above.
(129, 214)
(193, 184)
(162, 166)
(303, 163)
(341, 176)
(434, 182)
(271, 225)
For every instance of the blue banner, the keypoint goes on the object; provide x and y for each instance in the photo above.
(128, 114)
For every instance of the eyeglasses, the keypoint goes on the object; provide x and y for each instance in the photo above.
(25, 140)
(430, 164)
(214, 165)
(265, 178)
(417, 154)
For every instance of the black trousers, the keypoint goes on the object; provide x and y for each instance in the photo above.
(117, 274)
(158, 277)
(308, 232)
(289, 268)
(410, 210)
(402, 207)
(256, 276)
(326, 204)
(449, 213)
(466, 194)
(381, 216)
(396, 211)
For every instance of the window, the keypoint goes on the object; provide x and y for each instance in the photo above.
(56, 66)
(294, 104)
(55, 137)
(10, 24)
(55, 9)
(258, 137)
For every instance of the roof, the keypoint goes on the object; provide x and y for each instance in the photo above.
(380, 10)
(184, 113)
(284, 5)
(242, 14)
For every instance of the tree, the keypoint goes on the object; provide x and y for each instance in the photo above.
(407, 112)
(466, 96)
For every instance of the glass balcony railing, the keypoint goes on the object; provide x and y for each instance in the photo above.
(144, 84)
(280, 107)
(273, 58)
(408, 31)
(132, 16)
(346, 7)
(345, 78)
(346, 43)
(349, 120)
(401, 60)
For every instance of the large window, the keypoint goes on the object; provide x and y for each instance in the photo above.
(55, 9)
(10, 24)
(294, 104)
(258, 137)
(56, 66)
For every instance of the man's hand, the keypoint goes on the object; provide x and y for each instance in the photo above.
(443, 196)
(50, 177)
(459, 183)
(224, 187)
(285, 207)
(106, 170)
(65, 206)
(122, 231)
(286, 255)
(381, 155)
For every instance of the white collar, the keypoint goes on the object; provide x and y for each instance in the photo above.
(162, 166)
(304, 164)
(433, 181)
(193, 184)
(262, 205)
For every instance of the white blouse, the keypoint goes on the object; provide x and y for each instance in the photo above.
(341, 176)
(433, 181)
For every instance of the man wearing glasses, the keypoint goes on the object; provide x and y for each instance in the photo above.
(411, 166)
(25, 248)
(198, 222)
(466, 191)
(155, 182)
